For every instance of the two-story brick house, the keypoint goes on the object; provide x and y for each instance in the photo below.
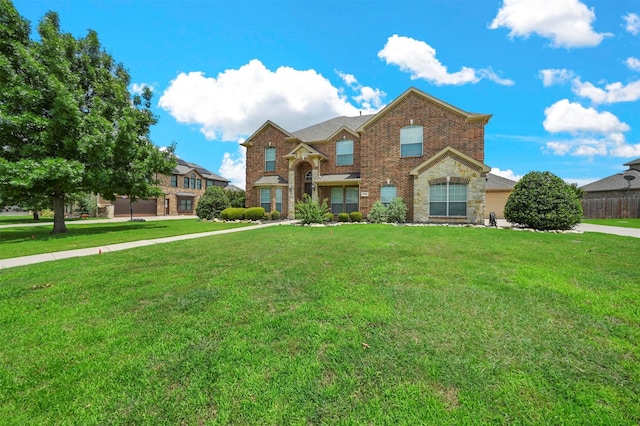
(182, 189)
(418, 147)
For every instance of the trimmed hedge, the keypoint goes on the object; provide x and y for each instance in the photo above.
(233, 213)
(343, 217)
(275, 215)
(355, 216)
(254, 213)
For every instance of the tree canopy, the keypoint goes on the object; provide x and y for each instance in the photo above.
(68, 123)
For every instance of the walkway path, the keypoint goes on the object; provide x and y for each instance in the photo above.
(45, 257)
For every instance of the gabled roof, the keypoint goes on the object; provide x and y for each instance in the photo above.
(634, 164)
(184, 167)
(495, 182)
(453, 153)
(615, 182)
(307, 151)
(469, 116)
(267, 123)
(327, 129)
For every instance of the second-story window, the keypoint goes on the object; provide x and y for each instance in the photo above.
(411, 141)
(270, 159)
(344, 152)
(193, 181)
(186, 182)
(174, 181)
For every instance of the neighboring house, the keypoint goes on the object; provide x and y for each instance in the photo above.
(418, 147)
(616, 196)
(182, 190)
(498, 191)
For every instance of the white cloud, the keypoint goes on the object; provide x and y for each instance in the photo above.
(233, 167)
(613, 145)
(550, 77)
(567, 23)
(419, 59)
(612, 93)
(508, 174)
(633, 63)
(368, 98)
(565, 116)
(632, 23)
(238, 101)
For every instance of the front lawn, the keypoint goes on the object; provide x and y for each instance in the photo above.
(29, 240)
(624, 223)
(359, 324)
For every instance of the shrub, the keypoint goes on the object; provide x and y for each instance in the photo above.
(236, 198)
(343, 217)
(275, 215)
(543, 201)
(233, 213)
(397, 211)
(309, 211)
(212, 202)
(355, 216)
(254, 213)
(328, 217)
(378, 213)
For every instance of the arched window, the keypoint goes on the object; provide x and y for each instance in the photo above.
(308, 177)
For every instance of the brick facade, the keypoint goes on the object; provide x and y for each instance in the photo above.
(376, 152)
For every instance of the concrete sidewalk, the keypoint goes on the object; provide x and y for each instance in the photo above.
(46, 257)
(587, 227)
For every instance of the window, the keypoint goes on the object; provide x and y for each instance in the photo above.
(344, 153)
(279, 199)
(174, 181)
(448, 199)
(388, 193)
(411, 141)
(185, 204)
(193, 181)
(344, 200)
(186, 182)
(265, 199)
(270, 160)
(209, 183)
(198, 183)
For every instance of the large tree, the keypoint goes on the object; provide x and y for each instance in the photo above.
(68, 122)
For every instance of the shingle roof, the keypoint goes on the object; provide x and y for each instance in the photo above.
(183, 167)
(338, 177)
(615, 182)
(271, 180)
(634, 164)
(498, 182)
(322, 131)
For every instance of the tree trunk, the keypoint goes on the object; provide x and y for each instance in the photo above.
(59, 227)
(36, 215)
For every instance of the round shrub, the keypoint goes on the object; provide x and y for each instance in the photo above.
(328, 217)
(355, 216)
(254, 213)
(543, 201)
(212, 202)
(378, 213)
(233, 213)
(275, 215)
(343, 217)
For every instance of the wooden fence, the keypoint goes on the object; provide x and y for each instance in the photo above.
(611, 208)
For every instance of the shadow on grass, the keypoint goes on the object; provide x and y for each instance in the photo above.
(43, 233)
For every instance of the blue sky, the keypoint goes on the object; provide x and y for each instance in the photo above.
(561, 77)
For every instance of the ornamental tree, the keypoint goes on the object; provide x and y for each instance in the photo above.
(68, 123)
(543, 201)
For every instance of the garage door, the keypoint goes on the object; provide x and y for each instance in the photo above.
(140, 207)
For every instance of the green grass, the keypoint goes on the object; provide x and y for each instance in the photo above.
(29, 240)
(369, 324)
(624, 223)
(28, 219)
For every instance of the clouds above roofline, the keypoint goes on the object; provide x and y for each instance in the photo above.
(238, 101)
(566, 23)
(419, 59)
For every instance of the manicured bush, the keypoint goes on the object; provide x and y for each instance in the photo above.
(212, 202)
(328, 217)
(355, 216)
(378, 213)
(543, 201)
(236, 198)
(397, 211)
(233, 213)
(309, 211)
(343, 217)
(254, 213)
(275, 215)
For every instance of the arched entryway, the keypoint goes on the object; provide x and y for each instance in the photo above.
(304, 180)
